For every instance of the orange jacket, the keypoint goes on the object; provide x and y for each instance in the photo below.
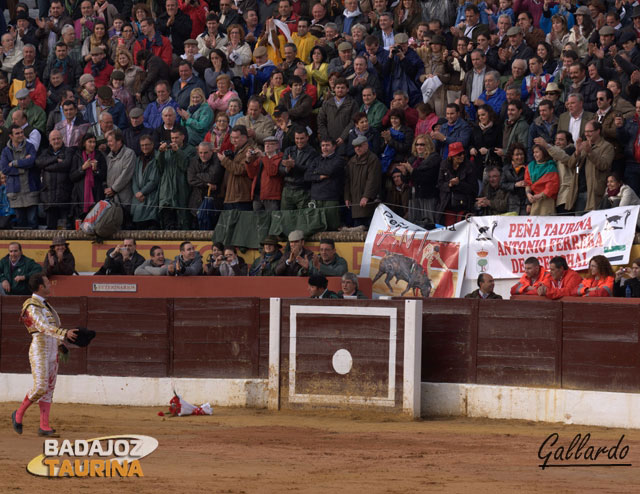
(604, 287)
(566, 287)
(523, 286)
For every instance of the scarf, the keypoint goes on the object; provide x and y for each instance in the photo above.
(96, 68)
(95, 42)
(538, 170)
(614, 192)
(61, 64)
(636, 144)
(349, 15)
(89, 182)
(87, 28)
(192, 109)
(485, 127)
(518, 169)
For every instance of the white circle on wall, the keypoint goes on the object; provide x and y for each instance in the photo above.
(342, 361)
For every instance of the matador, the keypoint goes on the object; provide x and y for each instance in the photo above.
(43, 324)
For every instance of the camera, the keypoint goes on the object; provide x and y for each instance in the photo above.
(229, 154)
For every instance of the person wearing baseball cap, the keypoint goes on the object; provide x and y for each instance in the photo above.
(457, 184)
(99, 67)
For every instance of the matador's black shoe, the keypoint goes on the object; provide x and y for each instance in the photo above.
(51, 433)
(16, 426)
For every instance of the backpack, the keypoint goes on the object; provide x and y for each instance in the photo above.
(104, 219)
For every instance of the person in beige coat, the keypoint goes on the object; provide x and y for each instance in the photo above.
(237, 182)
(594, 155)
(258, 125)
(362, 182)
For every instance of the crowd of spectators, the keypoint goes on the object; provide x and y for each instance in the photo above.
(297, 260)
(523, 108)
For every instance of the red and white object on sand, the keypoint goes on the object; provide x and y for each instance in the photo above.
(178, 407)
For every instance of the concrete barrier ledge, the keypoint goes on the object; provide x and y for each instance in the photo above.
(537, 404)
(142, 391)
(438, 399)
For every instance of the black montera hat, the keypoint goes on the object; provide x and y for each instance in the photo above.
(84, 337)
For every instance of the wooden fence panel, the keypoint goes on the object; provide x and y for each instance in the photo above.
(519, 343)
(449, 332)
(600, 346)
(216, 337)
(132, 337)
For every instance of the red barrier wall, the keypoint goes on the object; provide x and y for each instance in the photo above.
(573, 344)
(190, 286)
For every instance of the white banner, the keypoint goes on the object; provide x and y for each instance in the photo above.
(499, 245)
(406, 260)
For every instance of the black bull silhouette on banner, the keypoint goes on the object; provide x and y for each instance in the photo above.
(406, 269)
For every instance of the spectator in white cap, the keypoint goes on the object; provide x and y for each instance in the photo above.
(296, 258)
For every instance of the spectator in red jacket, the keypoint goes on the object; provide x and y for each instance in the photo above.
(98, 67)
(534, 276)
(266, 189)
(37, 91)
(197, 12)
(153, 41)
(600, 281)
(564, 282)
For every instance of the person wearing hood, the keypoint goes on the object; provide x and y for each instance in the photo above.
(265, 265)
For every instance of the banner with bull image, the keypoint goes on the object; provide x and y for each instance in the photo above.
(499, 245)
(403, 259)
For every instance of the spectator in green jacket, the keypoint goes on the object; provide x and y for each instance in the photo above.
(265, 265)
(15, 270)
(328, 263)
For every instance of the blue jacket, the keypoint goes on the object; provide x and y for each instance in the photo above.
(460, 131)
(118, 112)
(182, 95)
(254, 83)
(538, 129)
(13, 173)
(404, 75)
(153, 113)
(627, 134)
(482, 7)
(495, 101)
(545, 22)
